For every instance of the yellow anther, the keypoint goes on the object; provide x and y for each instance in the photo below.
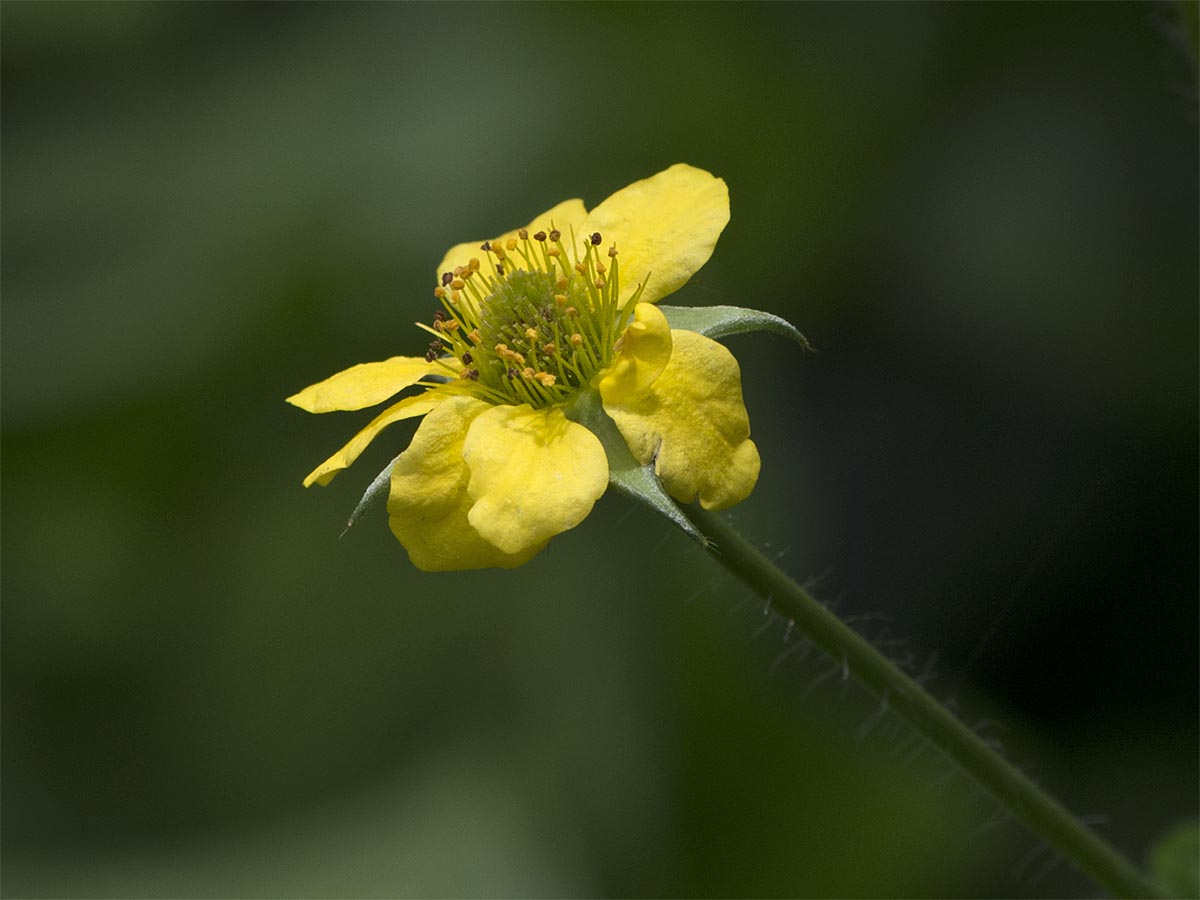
(600, 282)
(577, 339)
(473, 264)
(549, 349)
(552, 251)
(500, 254)
(560, 299)
(523, 234)
(511, 244)
(455, 296)
(474, 336)
(600, 267)
(458, 270)
(612, 251)
(581, 268)
(571, 311)
(528, 372)
(458, 284)
(531, 333)
(439, 292)
(561, 284)
(545, 378)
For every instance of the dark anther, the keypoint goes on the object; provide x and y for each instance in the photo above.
(596, 239)
(447, 277)
(540, 236)
(439, 316)
(430, 355)
(466, 358)
(523, 234)
(473, 374)
(512, 373)
(435, 344)
(555, 234)
(486, 246)
(499, 270)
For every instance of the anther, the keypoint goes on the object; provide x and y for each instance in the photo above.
(600, 282)
(439, 292)
(458, 284)
(486, 246)
(596, 239)
(527, 372)
(467, 358)
(581, 268)
(561, 284)
(539, 236)
(560, 299)
(552, 251)
(523, 234)
(511, 244)
(447, 277)
(430, 356)
(549, 349)
(571, 311)
(531, 333)
(577, 339)
(473, 374)
(473, 264)
(435, 345)
(545, 378)
(438, 315)
(612, 251)
(600, 267)
(474, 336)
(512, 373)
(555, 234)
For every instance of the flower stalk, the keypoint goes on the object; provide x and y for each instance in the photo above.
(1044, 815)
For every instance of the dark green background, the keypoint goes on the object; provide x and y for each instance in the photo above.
(985, 218)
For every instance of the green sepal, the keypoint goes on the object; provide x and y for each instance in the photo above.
(722, 321)
(626, 474)
(376, 489)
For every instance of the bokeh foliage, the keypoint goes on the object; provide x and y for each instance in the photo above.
(985, 218)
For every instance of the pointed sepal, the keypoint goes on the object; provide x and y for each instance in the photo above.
(625, 473)
(721, 321)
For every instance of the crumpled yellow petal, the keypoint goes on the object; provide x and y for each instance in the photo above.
(407, 408)
(534, 474)
(664, 226)
(428, 501)
(366, 384)
(645, 349)
(565, 215)
(693, 424)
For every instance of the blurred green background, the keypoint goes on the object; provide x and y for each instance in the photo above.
(985, 218)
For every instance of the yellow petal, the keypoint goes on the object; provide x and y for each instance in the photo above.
(565, 215)
(645, 350)
(693, 424)
(665, 227)
(365, 385)
(407, 408)
(534, 474)
(428, 501)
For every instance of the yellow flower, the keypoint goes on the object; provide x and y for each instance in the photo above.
(534, 323)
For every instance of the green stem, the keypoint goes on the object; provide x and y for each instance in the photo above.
(1043, 814)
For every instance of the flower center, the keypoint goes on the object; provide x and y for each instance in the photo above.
(534, 322)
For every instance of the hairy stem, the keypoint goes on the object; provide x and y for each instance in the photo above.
(1044, 815)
